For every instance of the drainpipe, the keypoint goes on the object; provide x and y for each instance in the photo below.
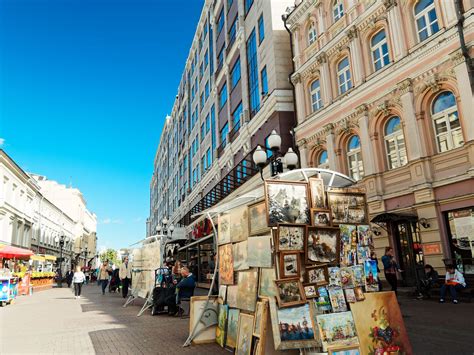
(465, 51)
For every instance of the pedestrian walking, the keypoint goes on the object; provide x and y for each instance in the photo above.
(69, 276)
(454, 282)
(125, 275)
(104, 272)
(78, 279)
(390, 268)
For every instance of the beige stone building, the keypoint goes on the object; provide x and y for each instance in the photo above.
(384, 95)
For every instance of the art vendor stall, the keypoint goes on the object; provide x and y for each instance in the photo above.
(295, 273)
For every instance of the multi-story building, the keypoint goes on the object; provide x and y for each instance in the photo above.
(384, 95)
(234, 91)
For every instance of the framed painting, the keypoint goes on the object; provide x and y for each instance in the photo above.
(257, 213)
(244, 335)
(359, 293)
(205, 330)
(338, 301)
(334, 276)
(337, 329)
(290, 292)
(247, 285)
(322, 245)
(293, 328)
(318, 195)
(350, 295)
(232, 292)
(371, 277)
(259, 251)
(260, 318)
(289, 264)
(290, 237)
(223, 229)
(317, 275)
(321, 217)
(226, 265)
(232, 327)
(239, 225)
(266, 287)
(310, 290)
(344, 350)
(240, 255)
(364, 234)
(380, 324)
(222, 292)
(347, 207)
(222, 324)
(363, 254)
(358, 275)
(347, 277)
(287, 202)
(323, 303)
(348, 237)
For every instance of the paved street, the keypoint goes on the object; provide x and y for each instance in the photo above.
(53, 322)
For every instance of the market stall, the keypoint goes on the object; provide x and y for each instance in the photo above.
(9, 281)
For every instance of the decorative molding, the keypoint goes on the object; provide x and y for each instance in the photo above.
(328, 129)
(299, 12)
(362, 110)
(352, 32)
(420, 115)
(296, 78)
(322, 58)
(389, 4)
(405, 86)
(456, 57)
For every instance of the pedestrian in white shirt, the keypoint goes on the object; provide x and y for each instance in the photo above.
(78, 279)
(125, 275)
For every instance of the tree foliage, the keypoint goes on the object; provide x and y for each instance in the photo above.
(111, 256)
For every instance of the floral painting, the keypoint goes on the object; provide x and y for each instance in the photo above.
(322, 245)
(287, 202)
(337, 329)
(226, 265)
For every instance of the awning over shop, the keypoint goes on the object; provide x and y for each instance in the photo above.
(200, 240)
(10, 252)
(37, 258)
(394, 217)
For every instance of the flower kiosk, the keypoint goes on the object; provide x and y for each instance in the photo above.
(8, 280)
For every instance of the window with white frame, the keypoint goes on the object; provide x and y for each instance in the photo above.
(312, 34)
(337, 10)
(344, 75)
(379, 49)
(354, 158)
(323, 161)
(447, 127)
(426, 19)
(395, 143)
(315, 92)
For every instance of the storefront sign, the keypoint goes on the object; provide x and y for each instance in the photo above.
(431, 248)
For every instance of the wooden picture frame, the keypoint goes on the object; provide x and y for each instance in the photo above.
(324, 247)
(296, 286)
(317, 192)
(206, 333)
(346, 207)
(316, 279)
(275, 208)
(316, 217)
(284, 241)
(292, 257)
(244, 340)
(310, 290)
(260, 318)
(257, 218)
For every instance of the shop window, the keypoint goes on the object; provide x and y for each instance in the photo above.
(395, 143)
(426, 19)
(460, 225)
(354, 158)
(447, 127)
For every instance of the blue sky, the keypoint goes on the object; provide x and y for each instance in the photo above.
(84, 89)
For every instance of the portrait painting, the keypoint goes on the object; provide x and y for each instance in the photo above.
(290, 237)
(347, 277)
(260, 251)
(266, 287)
(350, 295)
(348, 244)
(347, 207)
(239, 225)
(334, 276)
(289, 264)
(358, 275)
(323, 303)
(207, 324)
(318, 195)
(287, 202)
(226, 265)
(364, 234)
(359, 293)
(223, 229)
(371, 276)
(247, 283)
(232, 327)
(221, 324)
(338, 301)
(232, 292)
(344, 350)
(310, 290)
(290, 292)
(244, 335)
(317, 275)
(337, 329)
(380, 325)
(322, 245)
(321, 217)
(240, 255)
(257, 213)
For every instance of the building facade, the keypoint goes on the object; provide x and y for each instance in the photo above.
(384, 94)
(234, 91)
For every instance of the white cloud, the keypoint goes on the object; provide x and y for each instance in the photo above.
(2, 141)
(111, 221)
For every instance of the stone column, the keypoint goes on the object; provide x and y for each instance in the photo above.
(356, 56)
(325, 80)
(300, 98)
(331, 147)
(303, 148)
(368, 156)
(395, 26)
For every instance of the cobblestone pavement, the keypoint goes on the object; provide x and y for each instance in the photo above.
(53, 322)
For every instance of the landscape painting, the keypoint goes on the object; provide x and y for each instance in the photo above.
(232, 327)
(296, 323)
(337, 329)
(287, 202)
(247, 284)
(338, 301)
(347, 207)
(240, 256)
(244, 336)
(257, 213)
(267, 286)
(290, 292)
(221, 324)
(239, 225)
(322, 245)
(318, 196)
(260, 251)
(348, 244)
(365, 235)
(371, 277)
(323, 303)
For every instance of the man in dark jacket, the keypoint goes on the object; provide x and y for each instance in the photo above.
(430, 280)
(69, 276)
(187, 284)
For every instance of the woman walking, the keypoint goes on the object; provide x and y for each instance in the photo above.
(78, 279)
(390, 268)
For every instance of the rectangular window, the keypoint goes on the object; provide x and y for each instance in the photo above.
(235, 74)
(263, 76)
(224, 132)
(213, 128)
(202, 100)
(203, 132)
(201, 70)
(229, 4)
(252, 64)
(208, 123)
(261, 29)
(206, 59)
(233, 31)
(223, 96)
(206, 90)
(236, 117)
(204, 33)
(211, 51)
(203, 164)
(248, 5)
(220, 22)
(192, 93)
(209, 157)
(220, 58)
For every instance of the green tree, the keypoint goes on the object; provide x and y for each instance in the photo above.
(111, 256)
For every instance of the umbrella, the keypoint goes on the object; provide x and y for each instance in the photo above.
(9, 252)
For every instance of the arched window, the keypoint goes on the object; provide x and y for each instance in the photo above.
(379, 49)
(447, 128)
(323, 161)
(395, 143)
(312, 33)
(315, 92)
(354, 158)
(344, 75)
(426, 19)
(337, 10)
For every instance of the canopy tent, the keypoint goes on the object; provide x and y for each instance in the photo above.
(10, 252)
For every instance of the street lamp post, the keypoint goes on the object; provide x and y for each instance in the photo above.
(276, 159)
(60, 240)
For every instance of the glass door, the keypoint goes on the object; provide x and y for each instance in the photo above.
(409, 251)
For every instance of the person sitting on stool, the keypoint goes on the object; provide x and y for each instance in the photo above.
(185, 288)
(125, 275)
(454, 282)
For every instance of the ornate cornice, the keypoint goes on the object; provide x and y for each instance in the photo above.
(405, 86)
(296, 78)
(456, 57)
(389, 4)
(299, 13)
(352, 32)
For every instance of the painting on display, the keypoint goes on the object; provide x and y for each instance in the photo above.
(317, 275)
(287, 202)
(247, 289)
(321, 217)
(232, 327)
(347, 207)
(207, 324)
(240, 256)
(221, 324)
(290, 237)
(363, 254)
(350, 295)
(232, 292)
(337, 329)
(239, 226)
(338, 301)
(310, 290)
(364, 234)
(266, 280)
(347, 277)
(260, 251)
(257, 213)
(223, 229)
(344, 350)
(290, 292)
(371, 277)
(348, 244)
(222, 292)
(226, 265)
(334, 276)
(358, 275)
(322, 245)
(260, 318)
(244, 335)
(289, 264)
(318, 196)
(380, 325)
(323, 303)
(359, 293)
